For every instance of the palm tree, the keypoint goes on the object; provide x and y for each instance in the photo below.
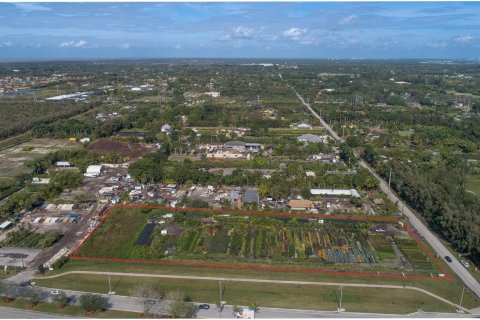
(254, 306)
(264, 189)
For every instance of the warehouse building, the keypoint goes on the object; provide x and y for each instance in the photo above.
(94, 171)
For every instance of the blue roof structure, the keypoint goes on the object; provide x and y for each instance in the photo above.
(250, 196)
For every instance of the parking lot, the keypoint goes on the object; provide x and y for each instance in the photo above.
(17, 257)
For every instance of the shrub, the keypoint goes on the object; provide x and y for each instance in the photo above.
(62, 299)
(60, 263)
(93, 302)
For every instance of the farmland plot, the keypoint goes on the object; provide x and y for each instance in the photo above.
(223, 240)
(194, 236)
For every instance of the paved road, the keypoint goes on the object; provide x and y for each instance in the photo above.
(258, 281)
(277, 313)
(431, 238)
(12, 313)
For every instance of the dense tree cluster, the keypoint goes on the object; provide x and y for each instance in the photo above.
(17, 117)
(439, 194)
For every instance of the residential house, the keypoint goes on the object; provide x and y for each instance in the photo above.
(325, 158)
(62, 164)
(303, 125)
(375, 131)
(166, 128)
(213, 94)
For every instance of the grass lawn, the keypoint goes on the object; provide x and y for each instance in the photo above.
(266, 295)
(473, 184)
(75, 311)
(8, 274)
(405, 133)
(450, 290)
(180, 157)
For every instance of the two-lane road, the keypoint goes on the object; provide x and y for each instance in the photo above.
(428, 235)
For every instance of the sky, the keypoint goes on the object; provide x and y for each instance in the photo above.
(387, 30)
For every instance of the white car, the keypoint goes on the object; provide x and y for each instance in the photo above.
(465, 263)
(55, 292)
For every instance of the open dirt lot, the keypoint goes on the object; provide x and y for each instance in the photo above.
(12, 160)
(124, 149)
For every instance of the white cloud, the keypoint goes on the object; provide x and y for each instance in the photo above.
(225, 38)
(301, 36)
(244, 32)
(70, 44)
(7, 44)
(348, 20)
(124, 46)
(294, 33)
(464, 39)
(437, 44)
(28, 6)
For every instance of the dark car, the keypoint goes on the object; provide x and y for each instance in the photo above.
(204, 306)
(448, 258)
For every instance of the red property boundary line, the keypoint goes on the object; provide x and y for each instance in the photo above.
(259, 268)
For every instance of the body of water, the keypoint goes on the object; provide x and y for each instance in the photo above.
(17, 93)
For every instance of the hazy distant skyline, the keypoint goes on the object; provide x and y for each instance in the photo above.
(445, 30)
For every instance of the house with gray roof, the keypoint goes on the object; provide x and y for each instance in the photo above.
(235, 145)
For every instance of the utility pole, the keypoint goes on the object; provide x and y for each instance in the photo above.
(340, 309)
(220, 287)
(389, 177)
(221, 303)
(461, 298)
(110, 285)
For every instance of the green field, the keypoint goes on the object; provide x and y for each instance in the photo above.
(405, 133)
(312, 297)
(473, 184)
(181, 158)
(450, 290)
(241, 239)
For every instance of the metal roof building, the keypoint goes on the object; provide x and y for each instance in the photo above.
(5, 225)
(335, 192)
(64, 164)
(310, 138)
(235, 144)
(250, 196)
